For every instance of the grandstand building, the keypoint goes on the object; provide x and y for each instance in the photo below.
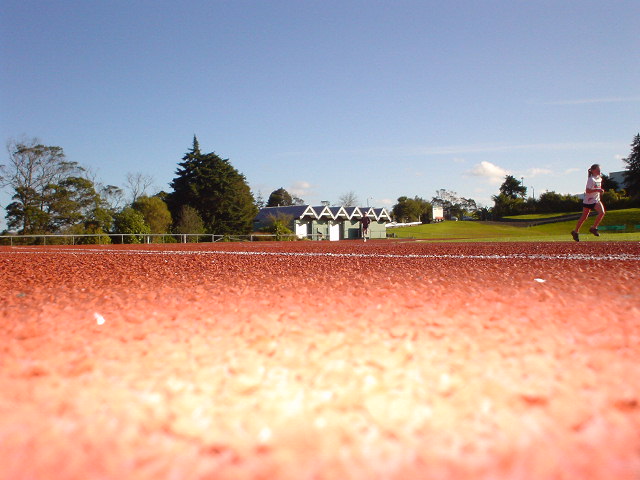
(326, 223)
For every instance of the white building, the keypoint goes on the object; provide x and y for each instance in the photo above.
(618, 177)
(327, 223)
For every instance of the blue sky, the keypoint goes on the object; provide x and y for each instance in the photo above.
(382, 98)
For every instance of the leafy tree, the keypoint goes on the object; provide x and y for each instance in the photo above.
(188, 221)
(297, 200)
(100, 220)
(32, 171)
(453, 205)
(280, 198)
(411, 210)
(445, 198)
(259, 200)
(112, 197)
(616, 199)
(513, 188)
(510, 200)
(24, 213)
(484, 213)
(185, 185)
(278, 225)
(608, 183)
(218, 192)
(89, 227)
(71, 201)
(505, 205)
(156, 213)
(632, 173)
(128, 222)
(552, 202)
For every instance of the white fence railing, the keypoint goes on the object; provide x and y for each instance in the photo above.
(110, 238)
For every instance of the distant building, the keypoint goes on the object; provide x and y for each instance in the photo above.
(618, 177)
(327, 223)
(437, 213)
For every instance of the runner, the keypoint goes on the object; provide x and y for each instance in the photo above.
(591, 202)
(365, 221)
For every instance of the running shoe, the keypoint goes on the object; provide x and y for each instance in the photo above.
(575, 236)
(594, 231)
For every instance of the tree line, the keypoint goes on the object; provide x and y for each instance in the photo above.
(51, 194)
(513, 199)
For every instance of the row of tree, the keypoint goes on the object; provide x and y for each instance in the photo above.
(53, 195)
(417, 209)
(512, 198)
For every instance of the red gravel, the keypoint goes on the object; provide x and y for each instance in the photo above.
(382, 360)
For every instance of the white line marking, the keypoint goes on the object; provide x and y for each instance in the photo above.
(512, 256)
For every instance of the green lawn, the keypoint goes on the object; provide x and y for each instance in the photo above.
(541, 216)
(508, 232)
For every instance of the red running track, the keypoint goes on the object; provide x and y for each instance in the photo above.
(317, 360)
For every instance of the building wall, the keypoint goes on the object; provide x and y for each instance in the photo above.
(377, 229)
(619, 178)
(301, 228)
(351, 229)
(319, 229)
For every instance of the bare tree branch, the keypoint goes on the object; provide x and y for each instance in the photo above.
(137, 184)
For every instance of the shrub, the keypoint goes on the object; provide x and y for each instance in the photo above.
(278, 225)
(131, 222)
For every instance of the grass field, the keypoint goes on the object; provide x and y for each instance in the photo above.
(538, 216)
(507, 232)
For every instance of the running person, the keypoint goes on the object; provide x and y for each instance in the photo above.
(365, 221)
(591, 202)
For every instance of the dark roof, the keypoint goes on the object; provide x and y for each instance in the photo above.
(380, 212)
(295, 211)
(337, 210)
(301, 211)
(351, 211)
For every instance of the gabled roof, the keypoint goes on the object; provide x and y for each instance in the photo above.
(368, 211)
(352, 212)
(338, 212)
(295, 211)
(316, 212)
(322, 211)
(381, 213)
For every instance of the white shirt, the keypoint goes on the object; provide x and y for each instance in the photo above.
(593, 182)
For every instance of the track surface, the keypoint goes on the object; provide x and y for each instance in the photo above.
(316, 360)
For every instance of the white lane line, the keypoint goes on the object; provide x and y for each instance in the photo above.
(511, 256)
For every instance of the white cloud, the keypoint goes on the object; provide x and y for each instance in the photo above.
(489, 171)
(536, 172)
(301, 188)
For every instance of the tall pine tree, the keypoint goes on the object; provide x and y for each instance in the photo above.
(632, 173)
(216, 190)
